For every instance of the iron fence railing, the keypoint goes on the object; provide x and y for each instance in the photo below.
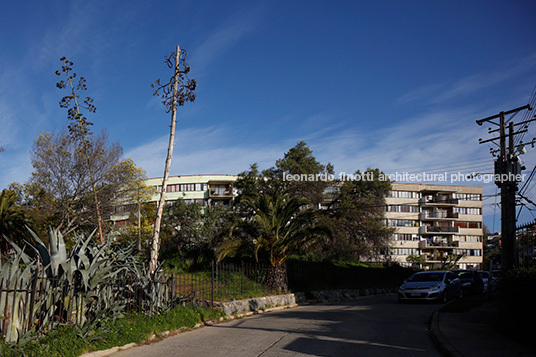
(225, 282)
(43, 303)
(40, 303)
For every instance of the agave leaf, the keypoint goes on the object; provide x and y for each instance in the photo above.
(68, 271)
(25, 257)
(86, 242)
(41, 247)
(85, 278)
(57, 248)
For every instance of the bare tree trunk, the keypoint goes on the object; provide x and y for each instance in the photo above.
(90, 168)
(139, 226)
(155, 247)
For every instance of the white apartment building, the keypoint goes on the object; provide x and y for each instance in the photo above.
(435, 223)
(204, 189)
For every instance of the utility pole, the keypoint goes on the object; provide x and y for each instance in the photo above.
(507, 175)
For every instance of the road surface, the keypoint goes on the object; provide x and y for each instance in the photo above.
(376, 326)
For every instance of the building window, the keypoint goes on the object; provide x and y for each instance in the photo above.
(468, 210)
(470, 239)
(404, 237)
(404, 194)
(403, 208)
(405, 251)
(463, 224)
(468, 196)
(403, 223)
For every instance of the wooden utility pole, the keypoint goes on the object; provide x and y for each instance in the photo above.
(507, 175)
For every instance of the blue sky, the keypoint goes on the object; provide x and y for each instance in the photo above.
(391, 84)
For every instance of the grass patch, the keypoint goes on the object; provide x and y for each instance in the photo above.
(69, 341)
(228, 286)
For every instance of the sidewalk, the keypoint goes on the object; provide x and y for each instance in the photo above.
(475, 332)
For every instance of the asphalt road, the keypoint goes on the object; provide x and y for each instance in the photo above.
(376, 326)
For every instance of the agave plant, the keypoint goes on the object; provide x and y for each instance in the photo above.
(83, 286)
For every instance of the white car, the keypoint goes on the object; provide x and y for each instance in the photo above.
(429, 286)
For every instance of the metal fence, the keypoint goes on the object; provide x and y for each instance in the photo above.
(526, 245)
(224, 282)
(42, 303)
(37, 303)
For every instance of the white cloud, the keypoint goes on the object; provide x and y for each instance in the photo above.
(204, 151)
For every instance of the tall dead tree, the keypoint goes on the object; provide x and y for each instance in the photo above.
(79, 127)
(179, 90)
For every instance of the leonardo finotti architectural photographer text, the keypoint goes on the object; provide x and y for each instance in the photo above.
(407, 177)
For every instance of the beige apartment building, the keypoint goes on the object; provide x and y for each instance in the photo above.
(208, 190)
(435, 225)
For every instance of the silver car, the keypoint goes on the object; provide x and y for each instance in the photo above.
(429, 286)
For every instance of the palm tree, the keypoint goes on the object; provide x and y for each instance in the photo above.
(276, 227)
(13, 220)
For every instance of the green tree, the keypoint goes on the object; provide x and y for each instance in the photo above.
(356, 214)
(134, 193)
(278, 226)
(61, 186)
(140, 226)
(191, 231)
(300, 174)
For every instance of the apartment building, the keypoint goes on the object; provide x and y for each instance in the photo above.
(208, 190)
(435, 225)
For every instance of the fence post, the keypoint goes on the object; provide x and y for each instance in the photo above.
(212, 286)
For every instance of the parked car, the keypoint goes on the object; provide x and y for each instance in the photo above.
(472, 283)
(429, 286)
(494, 279)
(485, 280)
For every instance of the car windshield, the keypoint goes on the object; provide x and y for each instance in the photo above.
(483, 274)
(426, 277)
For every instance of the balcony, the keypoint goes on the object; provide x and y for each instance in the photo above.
(437, 245)
(438, 216)
(439, 230)
(439, 201)
(220, 193)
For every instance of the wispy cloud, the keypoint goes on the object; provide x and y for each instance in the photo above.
(224, 38)
(205, 150)
(435, 142)
(464, 87)
(415, 142)
(73, 36)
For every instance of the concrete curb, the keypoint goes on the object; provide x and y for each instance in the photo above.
(109, 351)
(443, 345)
